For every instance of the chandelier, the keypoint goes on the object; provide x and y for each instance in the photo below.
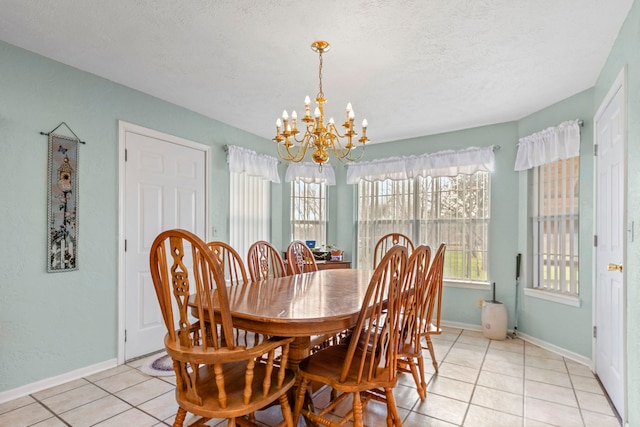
(318, 136)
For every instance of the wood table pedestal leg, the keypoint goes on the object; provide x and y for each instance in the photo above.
(298, 350)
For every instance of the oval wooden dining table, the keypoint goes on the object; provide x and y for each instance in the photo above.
(300, 306)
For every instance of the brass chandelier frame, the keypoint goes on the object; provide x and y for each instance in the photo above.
(318, 135)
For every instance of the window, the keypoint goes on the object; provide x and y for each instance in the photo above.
(553, 154)
(555, 226)
(249, 211)
(250, 177)
(454, 210)
(308, 211)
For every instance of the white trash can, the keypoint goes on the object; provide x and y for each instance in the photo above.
(494, 320)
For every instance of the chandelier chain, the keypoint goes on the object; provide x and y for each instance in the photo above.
(320, 93)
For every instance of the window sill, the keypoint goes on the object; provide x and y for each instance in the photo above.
(570, 300)
(468, 285)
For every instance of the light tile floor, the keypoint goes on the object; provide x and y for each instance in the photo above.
(481, 383)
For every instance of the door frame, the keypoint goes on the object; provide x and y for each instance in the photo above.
(123, 128)
(619, 84)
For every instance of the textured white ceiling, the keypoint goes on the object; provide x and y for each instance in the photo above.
(412, 67)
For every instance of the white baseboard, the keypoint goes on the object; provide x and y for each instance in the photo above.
(555, 349)
(461, 325)
(540, 343)
(46, 383)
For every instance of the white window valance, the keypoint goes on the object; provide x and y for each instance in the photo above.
(549, 145)
(442, 163)
(310, 172)
(242, 160)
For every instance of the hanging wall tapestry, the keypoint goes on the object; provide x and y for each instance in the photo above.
(62, 204)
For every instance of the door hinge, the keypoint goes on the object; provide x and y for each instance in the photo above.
(595, 240)
(125, 154)
(595, 149)
(595, 331)
(125, 335)
(125, 245)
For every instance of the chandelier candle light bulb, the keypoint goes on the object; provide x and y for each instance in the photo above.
(317, 136)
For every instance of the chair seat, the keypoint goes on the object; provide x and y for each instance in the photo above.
(234, 376)
(326, 366)
(409, 349)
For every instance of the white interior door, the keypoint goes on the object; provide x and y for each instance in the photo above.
(610, 250)
(165, 187)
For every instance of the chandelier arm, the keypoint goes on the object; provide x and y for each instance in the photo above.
(349, 157)
(336, 132)
(304, 147)
(308, 134)
(296, 157)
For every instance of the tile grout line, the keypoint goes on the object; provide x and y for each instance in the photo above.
(436, 374)
(575, 395)
(134, 406)
(475, 384)
(524, 382)
(50, 410)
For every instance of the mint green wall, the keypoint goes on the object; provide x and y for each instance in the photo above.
(625, 52)
(539, 318)
(55, 323)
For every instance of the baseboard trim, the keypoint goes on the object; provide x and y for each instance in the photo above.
(461, 325)
(540, 343)
(555, 349)
(46, 383)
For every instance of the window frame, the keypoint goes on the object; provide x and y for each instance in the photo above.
(304, 186)
(567, 221)
(415, 228)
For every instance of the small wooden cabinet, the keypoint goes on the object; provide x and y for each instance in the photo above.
(330, 265)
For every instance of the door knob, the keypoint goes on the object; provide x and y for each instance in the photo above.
(613, 267)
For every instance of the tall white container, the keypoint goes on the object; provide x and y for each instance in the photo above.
(494, 320)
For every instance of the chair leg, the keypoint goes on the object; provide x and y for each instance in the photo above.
(180, 416)
(423, 379)
(393, 418)
(418, 377)
(300, 399)
(357, 410)
(432, 353)
(286, 410)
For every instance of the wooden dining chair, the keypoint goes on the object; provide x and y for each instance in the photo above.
(300, 258)
(230, 261)
(386, 242)
(431, 320)
(235, 274)
(368, 361)
(414, 302)
(215, 377)
(264, 261)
